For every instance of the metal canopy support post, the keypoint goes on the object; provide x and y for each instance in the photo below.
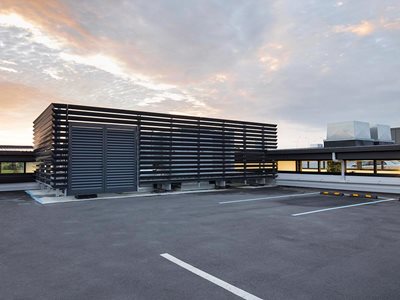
(343, 169)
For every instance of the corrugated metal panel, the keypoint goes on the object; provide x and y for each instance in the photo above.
(121, 157)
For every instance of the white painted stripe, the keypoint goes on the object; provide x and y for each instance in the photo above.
(270, 198)
(234, 290)
(340, 207)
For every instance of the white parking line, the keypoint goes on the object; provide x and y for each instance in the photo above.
(213, 279)
(270, 198)
(340, 207)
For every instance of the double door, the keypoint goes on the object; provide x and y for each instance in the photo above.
(102, 159)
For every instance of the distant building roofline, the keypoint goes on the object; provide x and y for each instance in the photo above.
(15, 148)
(390, 151)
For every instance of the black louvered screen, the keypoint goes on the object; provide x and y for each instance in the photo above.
(102, 159)
(171, 148)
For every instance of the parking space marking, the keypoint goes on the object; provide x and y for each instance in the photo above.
(270, 198)
(340, 207)
(234, 290)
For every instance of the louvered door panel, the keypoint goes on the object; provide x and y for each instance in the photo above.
(86, 155)
(121, 163)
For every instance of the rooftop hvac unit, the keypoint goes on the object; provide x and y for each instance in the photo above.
(381, 133)
(352, 130)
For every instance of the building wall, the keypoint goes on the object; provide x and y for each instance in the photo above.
(17, 166)
(369, 175)
(396, 135)
(352, 183)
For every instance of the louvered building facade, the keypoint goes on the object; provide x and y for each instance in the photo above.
(85, 150)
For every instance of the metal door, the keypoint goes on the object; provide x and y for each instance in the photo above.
(102, 158)
(121, 159)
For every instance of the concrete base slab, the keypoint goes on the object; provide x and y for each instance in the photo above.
(145, 189)
(192, 186)
(49, 196)
(257, 186)
(11, 187)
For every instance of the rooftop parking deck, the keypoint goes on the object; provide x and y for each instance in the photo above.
(268, 243)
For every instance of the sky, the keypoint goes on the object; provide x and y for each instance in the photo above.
(297, 63)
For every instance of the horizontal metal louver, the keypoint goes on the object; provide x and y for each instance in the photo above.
(172, 148)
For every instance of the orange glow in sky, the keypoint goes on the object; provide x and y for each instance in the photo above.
(300, 66)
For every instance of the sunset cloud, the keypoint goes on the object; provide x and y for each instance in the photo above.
(364, 28)
(368, 27)
(50, 21)
(36, 35)
(20, 105)
(300, 64)
(6, 69)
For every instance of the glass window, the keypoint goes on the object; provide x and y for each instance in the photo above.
(360, 166)
(288, 166)
(30, 167)
(323, 166)
(388, 166)
(309, 166)
(12, 168)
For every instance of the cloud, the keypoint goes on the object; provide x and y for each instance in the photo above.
(273, 56)
(8, 69)
(7, 62)
(37, 36)
(362, 29)
(181, 46)
(46, 18)
(20, 105)
(300, 64)
(390, 25)
(184, 45)
(53, 73)
(111, 65)
(368, 27)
